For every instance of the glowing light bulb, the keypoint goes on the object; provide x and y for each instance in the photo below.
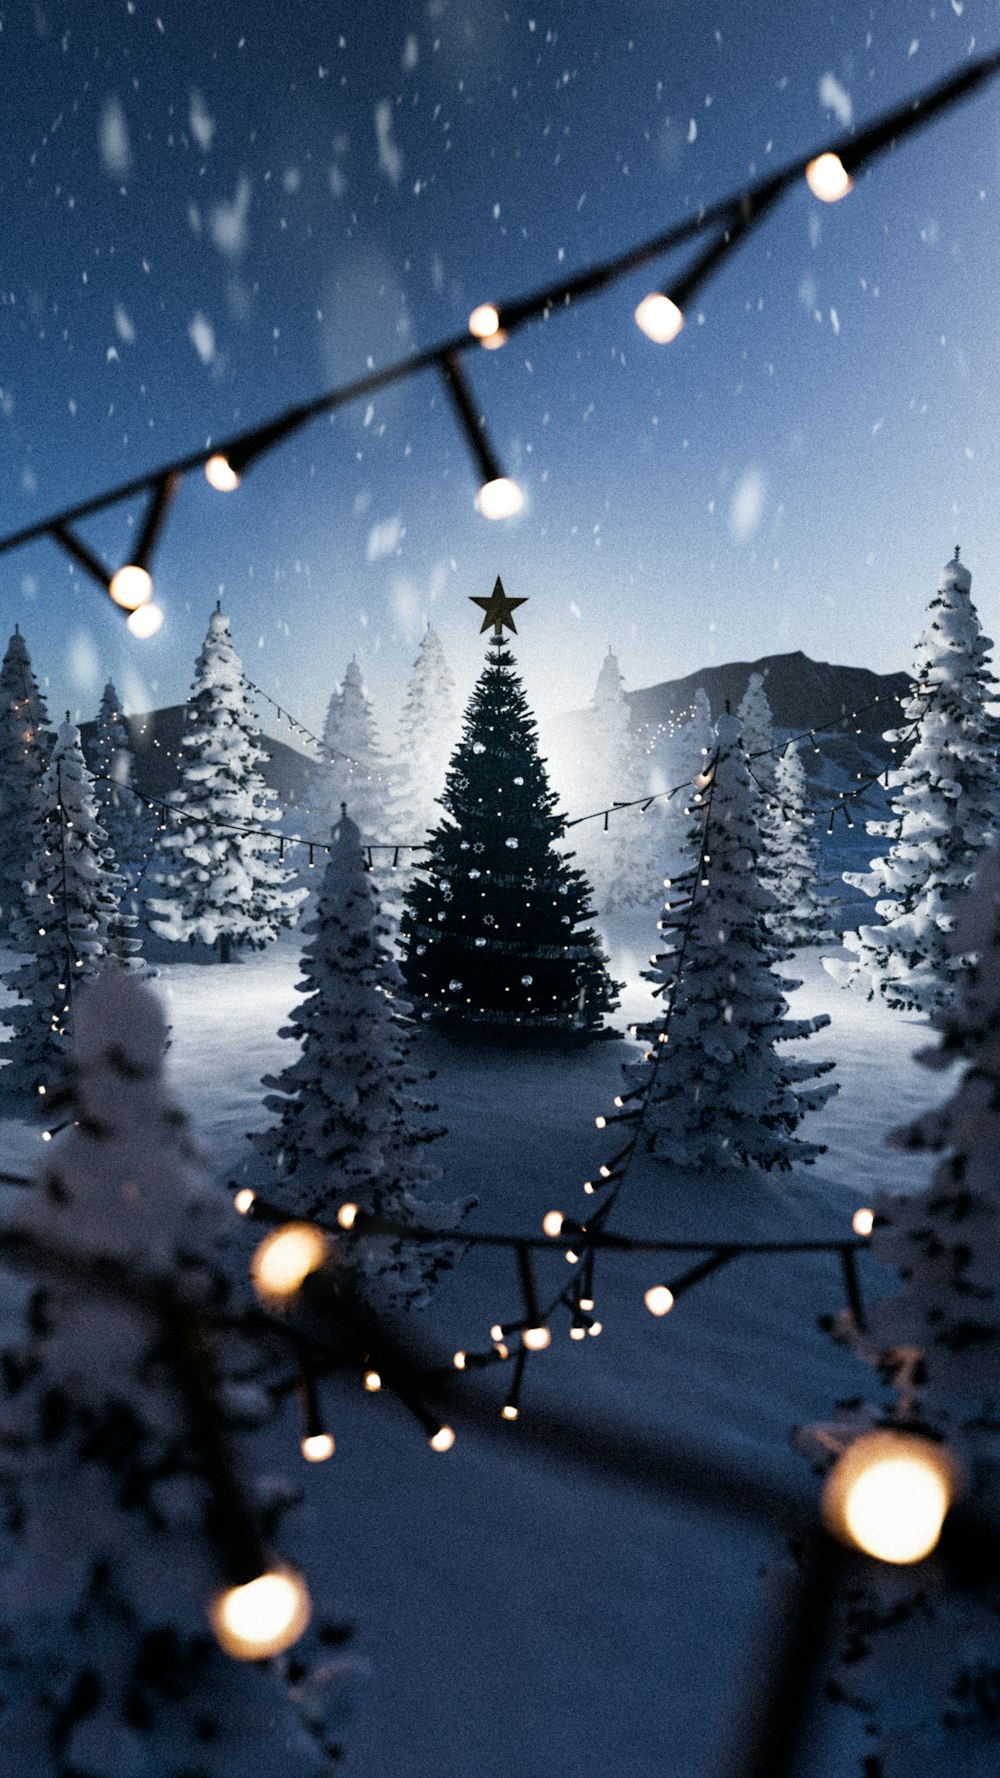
(145, 621)
(552, 1222)
(499, 499)
(595, 1328)
(659, 1300)
(442, 1439)
(863, 1221)
(828, 178)
(586, 1303)
(508, 1411)
(317, 1447)
(484, 325)
(284, 1260)
(244, 1200)
(372, 1382)
(888, 1495)
(221, 475)
(600, 1123)
(459, 1361)
(536, 1338)
(659, 318)
(131, 586)
(578, 1333)
(496, 1332)
(262, 1618)
(347, 1215)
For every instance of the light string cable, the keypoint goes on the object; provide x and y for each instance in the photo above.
(732, 219)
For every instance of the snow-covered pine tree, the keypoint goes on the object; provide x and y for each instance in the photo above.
(74, 922)
(128, 822)
(789, 829)
(352, 1125)
(426, 737)
(621, 859)
(922, 1654)
(221, 884)
(351, 770)
(25, 745)
(721, 1093)
(944, 809)
(492, 935)
(679, 754)
(125, 1508)
(756, 719)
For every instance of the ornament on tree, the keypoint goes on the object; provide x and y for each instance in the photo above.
(721, 1094)
(129, 1523)
(223, 884)
(353, 1127)
(25, 746)
(944, 809)
(493, 937)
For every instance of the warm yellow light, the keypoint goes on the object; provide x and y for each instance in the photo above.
(828, 178)
(347, 1215)
(552, 1222)
(220, 474)
(496, 1332)
(284, 1260)
(373, 1382)
(659, 1300)
(595, 1328)
(317, 1447)
(262, 1618)
(244, 1199)
(863, 1221)
(888, 1494)
(659, 318)
(459, 1361)
(442, 1439)
(131, 586)
(572, 1258)
(536, 1338)
(144, 621)
(586, 1304)
(499, 499)
(600, 1123)
(484, 325)
(508, 1411)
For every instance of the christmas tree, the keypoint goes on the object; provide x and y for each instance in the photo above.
(127, 1508)
(352, 769)
(788, 830)
(25, 745)
(720, 1093)
(225, 883)
(493, 935)
(127, 820)
(352, 1127)
(944, 808)
(74, 922)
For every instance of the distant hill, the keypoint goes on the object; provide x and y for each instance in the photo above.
(802, 694)
(155, 741)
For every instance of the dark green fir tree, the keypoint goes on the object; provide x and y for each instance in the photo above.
(494, 934)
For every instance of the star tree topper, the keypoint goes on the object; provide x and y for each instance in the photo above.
(499, 610)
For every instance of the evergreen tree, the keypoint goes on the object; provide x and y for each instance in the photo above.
(352, 1127)
(25, 745)
(788, 829)
(621, 860)
(756, 720)
(352, 769)
(492, 935)
(722, 1096)
(943, 811)
(124, 1511)
(935, 1341)
(680, 752)
(224, 885)
(426, 735)
(128, 822)
(73, 924)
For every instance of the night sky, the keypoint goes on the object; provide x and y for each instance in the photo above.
(211, 212)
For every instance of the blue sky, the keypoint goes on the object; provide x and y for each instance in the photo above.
(212, 212)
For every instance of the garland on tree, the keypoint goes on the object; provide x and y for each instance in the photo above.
(225, 884)
(25, 746)
(943, 813)
(352, 1127)
(493, 937)
(124, 1508)
(722, 1096)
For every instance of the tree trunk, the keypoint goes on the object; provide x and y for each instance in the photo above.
(225, 946)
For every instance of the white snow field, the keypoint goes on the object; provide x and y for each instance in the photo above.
(522, 1619)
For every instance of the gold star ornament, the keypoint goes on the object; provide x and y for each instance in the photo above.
(499, 611)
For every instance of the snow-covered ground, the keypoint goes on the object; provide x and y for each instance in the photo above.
(522, 1619)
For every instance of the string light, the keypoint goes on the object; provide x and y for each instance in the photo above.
(484, 326)
(244, 1200)
(145, 621)
(828, 178)
(263, 1617)
(659, 318)
(889, 1493)
(131, 587)
(863, 1221)
(220, 474)
(284, 1260)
